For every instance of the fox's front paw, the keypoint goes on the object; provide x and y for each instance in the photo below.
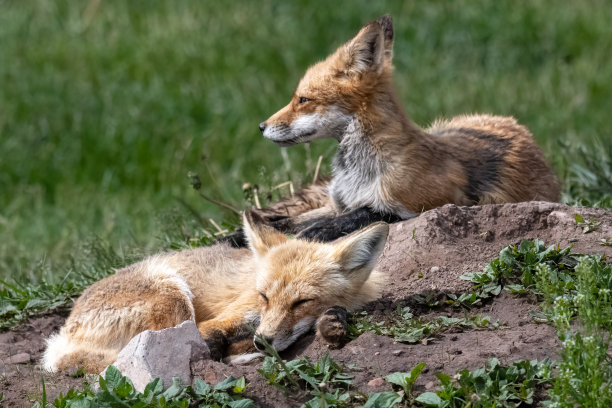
(322, 231)
(217, 344)
(332, 326)
(282, 224)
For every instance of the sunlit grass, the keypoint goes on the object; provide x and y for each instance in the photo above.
(105, 106)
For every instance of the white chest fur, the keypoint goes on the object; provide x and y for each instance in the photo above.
(357, 175)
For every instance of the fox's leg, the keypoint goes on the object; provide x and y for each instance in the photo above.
(112, 311)
(226, 331)
(327, 229)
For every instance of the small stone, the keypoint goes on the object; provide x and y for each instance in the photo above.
(396, 352)
(377, 353)
(434, 269)
(162, 354)
(424, 341)
(429, 385)
(21, 358)
(376, 382)
(210, 377)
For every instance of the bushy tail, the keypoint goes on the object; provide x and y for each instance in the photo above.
(63, 353)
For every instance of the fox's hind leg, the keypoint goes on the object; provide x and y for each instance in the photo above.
(115, 309)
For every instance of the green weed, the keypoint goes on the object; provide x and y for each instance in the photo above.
(585, 369)
(403, 327)
(118, 391)
(493, 386)
(517, 267)
(325, 379)
(573, 288)
(588, 225)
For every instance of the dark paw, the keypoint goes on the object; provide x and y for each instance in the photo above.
(322, 231)
(217, 344)
(332, 326)
(283, 225)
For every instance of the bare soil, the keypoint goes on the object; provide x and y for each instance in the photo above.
(426, 256)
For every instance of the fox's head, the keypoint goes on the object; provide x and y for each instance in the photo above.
(333, 92)
(297, 280)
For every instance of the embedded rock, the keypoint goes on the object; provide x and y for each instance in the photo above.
(162, 354)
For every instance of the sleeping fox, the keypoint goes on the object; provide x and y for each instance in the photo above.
(386, 167)
(280, 287)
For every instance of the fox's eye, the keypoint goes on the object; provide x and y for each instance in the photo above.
(300, 302)
(264, 297)
(303, 100)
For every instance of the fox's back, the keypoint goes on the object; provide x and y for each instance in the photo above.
(501, 161)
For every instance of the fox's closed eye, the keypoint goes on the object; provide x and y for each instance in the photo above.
(303, 100)
(264, 297)
(300, 302)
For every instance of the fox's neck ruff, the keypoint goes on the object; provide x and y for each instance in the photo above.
(366, 154)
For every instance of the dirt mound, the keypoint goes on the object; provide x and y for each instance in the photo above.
(429, 253)
(424, 256)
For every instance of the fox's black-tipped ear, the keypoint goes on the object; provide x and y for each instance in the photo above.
(366, 51)
(261, 237)
(386, 22)
(360, 250)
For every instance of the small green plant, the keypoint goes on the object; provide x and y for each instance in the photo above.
(429, 300)
(585, 369)
(406, 380)
(588, 225)
(404, 328)
(389, 399)
(118, 391)
(493, 386)
(516, 268)
(572, 287)
(325, 379)
(605, 242)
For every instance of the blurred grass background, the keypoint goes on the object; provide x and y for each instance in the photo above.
(105, 106)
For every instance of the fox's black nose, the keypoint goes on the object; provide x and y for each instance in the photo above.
(261, 341)
(262, 126)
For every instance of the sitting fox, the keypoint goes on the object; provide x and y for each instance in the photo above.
(280, 286)
(386, 167)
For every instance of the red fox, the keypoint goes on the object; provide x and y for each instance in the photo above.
(281, 287)
(386, 167)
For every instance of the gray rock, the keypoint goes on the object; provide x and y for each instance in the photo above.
(21, 358)
(162, 354)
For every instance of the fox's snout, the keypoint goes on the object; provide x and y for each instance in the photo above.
(262, 126)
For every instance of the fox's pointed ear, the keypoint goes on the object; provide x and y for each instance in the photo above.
(360, 250)
(261, 237)
(366, 51)
(386, 22)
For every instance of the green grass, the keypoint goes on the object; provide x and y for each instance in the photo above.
(106, 106)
